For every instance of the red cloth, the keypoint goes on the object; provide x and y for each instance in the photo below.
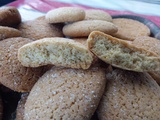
(46, 5)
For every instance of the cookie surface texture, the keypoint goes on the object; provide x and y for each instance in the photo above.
(97, 15)
(56, 51)
(8, 32)
(57, 95)
(129, 29)
(84, 28)
(120, 54)
(128, 96)
(12, 74)
(39, 28)
(65, 14)
(9, 16)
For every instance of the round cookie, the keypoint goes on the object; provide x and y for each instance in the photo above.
(39, 28)
(85, 27)
(129, 29)
(12, 74)
(148, 43)
(9, 16)
(8, 32)
(93, 14)
(129, 96)
(20, 107)
(65, 14)
(57, 95)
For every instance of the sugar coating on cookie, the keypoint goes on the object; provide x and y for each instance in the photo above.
(94, 14)
(129, 96)
(12, 74)
(62, 94)
(56, 51)
(129, 29)
(65, 14)
(121, 54)
(8, 32)
(39, 28)
(85, 27)
(9, 16)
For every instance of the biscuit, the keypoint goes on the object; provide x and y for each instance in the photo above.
(39, 28)
(9, 16)
(151, 44)
(129, 96)
(12, 74)
(129, 29)
(20, 107)
(55, 51)
(63, 93)
(148, 43)
(120, 54)
(84, 28)
(8, 32)
(93, 14)
(65, 14)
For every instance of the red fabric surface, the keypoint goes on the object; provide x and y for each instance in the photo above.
(46, 5)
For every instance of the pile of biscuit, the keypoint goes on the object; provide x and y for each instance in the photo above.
(76, 64)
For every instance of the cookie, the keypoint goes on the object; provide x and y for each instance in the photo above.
(65, 14)
(12, 74)
(8, 32)
(120, 54)
(20, 107)
(129, 96)
(148, 43)
(94, 14)
(39, 28)
(9, 16)
(62, 94)
(84, 28)
(55, 51)
(129, 29)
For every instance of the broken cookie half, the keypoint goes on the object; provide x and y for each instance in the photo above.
(55, 51)
(121, 54)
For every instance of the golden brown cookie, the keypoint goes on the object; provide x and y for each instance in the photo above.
(93, 14)
(39, 28)
(9, 16)
(20, 107)
(12, 74)
(8, 32)
(129, 29)
(62, 94)
(55, 51)
(120, 54)
(85, 27)
(130, 96)
(65, 14)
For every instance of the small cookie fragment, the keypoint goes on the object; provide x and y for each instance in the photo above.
(65, 14)
(62, 94)
(39, 28)
(12, 74)
(93, 14)
(55, 51)
(120, 54)
(85, 27)
(20, 107)
(129, 29)
(130, 96)
(8, 32)
(9, 16)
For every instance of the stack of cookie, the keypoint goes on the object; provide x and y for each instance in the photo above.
(74, 63)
